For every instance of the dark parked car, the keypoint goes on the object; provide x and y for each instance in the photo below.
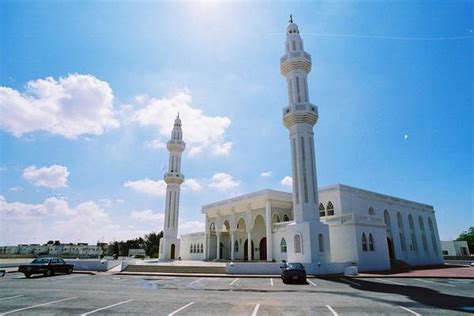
(293, 271)
(46, 266)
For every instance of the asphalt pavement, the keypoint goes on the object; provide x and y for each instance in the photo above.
(136, 295)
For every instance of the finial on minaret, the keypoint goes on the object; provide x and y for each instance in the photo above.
(291, 18)
(178, 114)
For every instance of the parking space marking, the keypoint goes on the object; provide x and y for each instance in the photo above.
(312, 283)
(271, 281)
(350, 282)
(196, 281)
(383, 280)
(106, 307)
(255, 310)
(180, 309)
(427, 281)
(38, 305)
(409, 310)
(7, 298)
(332, 310)
(232, 283)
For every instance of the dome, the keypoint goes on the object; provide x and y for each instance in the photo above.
(292, 28)
(177, 121)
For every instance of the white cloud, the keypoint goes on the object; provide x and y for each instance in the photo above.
(200, 132)
(52, 177)
(148, 216)
(147, 186)
(186, 227)
(287, 181)
(156, 144)
(223, 181)
(266, 174)
(192, 184)
(16, 188)
(71, 106)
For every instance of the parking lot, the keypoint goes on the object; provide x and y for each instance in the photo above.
(123, 294)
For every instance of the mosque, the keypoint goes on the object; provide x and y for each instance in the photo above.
(327, 229)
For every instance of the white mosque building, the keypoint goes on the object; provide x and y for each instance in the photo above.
(327, 229)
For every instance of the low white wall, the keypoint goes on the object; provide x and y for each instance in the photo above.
(93, 265)
(274, 268)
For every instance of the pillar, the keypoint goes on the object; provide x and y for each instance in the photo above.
(249, 245)
(218, 251)
(232, 241)
(268, 225)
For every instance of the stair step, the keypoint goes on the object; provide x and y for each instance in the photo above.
(175, 269)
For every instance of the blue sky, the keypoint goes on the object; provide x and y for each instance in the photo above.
(81, 153)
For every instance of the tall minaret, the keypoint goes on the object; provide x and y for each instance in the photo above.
(169, 244)
(299, 117)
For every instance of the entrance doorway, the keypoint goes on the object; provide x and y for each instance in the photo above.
(246, 251)
(172, 251)
(263, 248)
(391, 253)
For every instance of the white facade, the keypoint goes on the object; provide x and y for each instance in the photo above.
(169, 244)
(326, 229)
(455, 248)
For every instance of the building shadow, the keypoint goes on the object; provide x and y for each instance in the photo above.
(420, 294)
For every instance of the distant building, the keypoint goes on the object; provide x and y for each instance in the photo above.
(455, 248)
(136, 252)
(82, 250)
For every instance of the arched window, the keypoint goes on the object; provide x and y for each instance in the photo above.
(321, 242)
(212, 227)
(399, 221)
(371, 243)
(330, 208)
(283, 245)
(286, 218)
(190, 248)
(371, 211)
(322, 211)
(297, 243)
(432, 234)
(423, 235)
(414, 245)
(364, 242)
(386, 220)
(236, 246)
(202, 248)
(195, 248)
(276, 218)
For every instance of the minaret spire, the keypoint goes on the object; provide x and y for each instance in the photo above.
(299, 116)
(291, 18)
(169, 244)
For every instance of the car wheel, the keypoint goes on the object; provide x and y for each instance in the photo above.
(27, 275)
(69, 271)
(48, 273)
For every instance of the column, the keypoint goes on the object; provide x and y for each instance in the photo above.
(232, 241)
(208, 237)
(268, 225)
(249, 245)
(218, 251)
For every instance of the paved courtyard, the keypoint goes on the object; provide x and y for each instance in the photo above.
(133, 295)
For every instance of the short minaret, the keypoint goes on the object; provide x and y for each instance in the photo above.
(169, 244)
(299, 117)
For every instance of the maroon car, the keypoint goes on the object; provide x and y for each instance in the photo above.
(46, 266)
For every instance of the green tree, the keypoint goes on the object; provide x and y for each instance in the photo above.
(468, 236)
(152, 244)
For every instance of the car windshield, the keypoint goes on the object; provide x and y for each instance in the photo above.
(295, 265)
(40, 260)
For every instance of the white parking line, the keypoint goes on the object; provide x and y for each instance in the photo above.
(39, 305)
(7, 298)
(427, 281)
(255, 310)
(409, 310)
(383, 280)
(232, 283)
(332, 310)
(180, 309)
(271, 281)
(350, 282)
(312, 283)
(195, 281)
(106, 307)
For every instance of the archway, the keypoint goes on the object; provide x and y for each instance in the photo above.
(263, 248)
(391, 253)
(246, 250)
(172, 251)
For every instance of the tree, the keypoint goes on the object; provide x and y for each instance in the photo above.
(152, 244)
(468, 236)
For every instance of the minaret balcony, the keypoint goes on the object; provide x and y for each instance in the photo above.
(294, 55)
(300, 113)
(173, 177)
(175, 145)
